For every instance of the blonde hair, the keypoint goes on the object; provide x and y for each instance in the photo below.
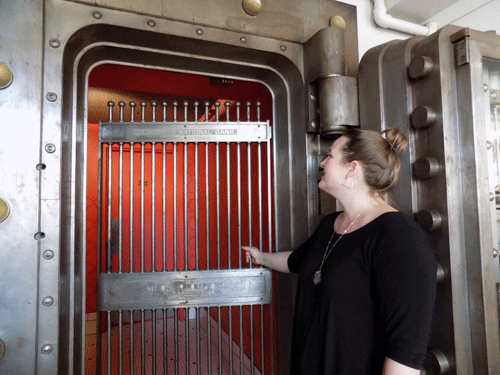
(377, 155)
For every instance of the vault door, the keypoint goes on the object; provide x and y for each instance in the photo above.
(178, 197)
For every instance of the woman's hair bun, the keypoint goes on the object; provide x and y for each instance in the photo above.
(396, 139)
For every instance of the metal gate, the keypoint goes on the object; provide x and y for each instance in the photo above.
(177, 199)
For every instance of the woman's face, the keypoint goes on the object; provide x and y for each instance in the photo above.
(334, 168)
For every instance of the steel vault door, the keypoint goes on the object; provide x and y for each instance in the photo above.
(173, 292)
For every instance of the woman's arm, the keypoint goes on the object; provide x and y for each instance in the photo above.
(276, 261)
(394, 368)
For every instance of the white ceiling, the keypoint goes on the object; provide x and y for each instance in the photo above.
(444, 11)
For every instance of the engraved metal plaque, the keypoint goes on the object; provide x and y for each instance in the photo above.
(159, 290)
(185, 131)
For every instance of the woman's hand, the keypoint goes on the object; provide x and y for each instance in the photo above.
(276, 261)
(252, 253)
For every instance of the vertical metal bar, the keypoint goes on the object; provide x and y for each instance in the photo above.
(207, 244)
(248, 110)
(227, 105)
(164, 112)
(131, 209)
(122, 107)
(108, 337)
(120, 209)
(176, 341)
(143, 344)
(110, 111)
(153, 339)
(132, 111)
(229, 255)
(196, 104)
(100, 168)
(185, 198)
(207, 104)
(196, 218)
(186, 103)
(153, 205)
(143, 111)
(165, 343)
(108, 240)
(131, 334)
(219, 336)
(186, 336)
(238, 104)
(175, 104)
(164, 210)
(259, 146)
(174, 177)
(198, 342)
(238, 162)
(217, 176)
(142, 206)
(153, 111)
(249, 188)
(120, 342)
(270, 235)
(252, 344)
(217, 105)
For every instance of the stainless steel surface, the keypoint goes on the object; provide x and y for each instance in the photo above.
(48, 96)
(338, 104)
(454, 176)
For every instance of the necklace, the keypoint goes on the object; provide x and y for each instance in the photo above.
(328, 250)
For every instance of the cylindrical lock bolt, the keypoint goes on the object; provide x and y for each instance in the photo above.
(430, 220)
(6, 76)
(425, 168)
(436, 363)
(420, 67)
(423, 117)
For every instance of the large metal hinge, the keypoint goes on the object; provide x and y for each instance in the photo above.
(462, 48)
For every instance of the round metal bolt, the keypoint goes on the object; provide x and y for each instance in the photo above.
(420, 67)
(436, 362)
(313, 124)
(6, 76)
(252, 7)
(425, 168)
(54, 43)
(485, 87)
(4, 209)
(283, 48)
(429, 220)
(48, 301)
(495, 253)
(51, 96)
(50, 148)
(41, 167)
(243, 39)
(440, 273)
(488, 145)
(423, 117)
(47, 349)
(199, 32)
(48, 254)
(2, 349)
(39, 236)
(492, 197)
(493, 95)
(97, 15)
(151, 23)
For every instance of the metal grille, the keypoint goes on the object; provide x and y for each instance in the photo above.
(177, 200)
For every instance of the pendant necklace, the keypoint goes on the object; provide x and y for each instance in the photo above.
(328, 250)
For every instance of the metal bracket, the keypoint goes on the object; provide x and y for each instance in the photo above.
(462, 52)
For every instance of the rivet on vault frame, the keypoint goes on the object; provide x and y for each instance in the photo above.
(4, 209)
(252, 7)
(5, 76)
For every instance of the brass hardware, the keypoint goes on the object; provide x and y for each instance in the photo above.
(6, 76)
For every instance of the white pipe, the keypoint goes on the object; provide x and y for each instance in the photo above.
(387, 21)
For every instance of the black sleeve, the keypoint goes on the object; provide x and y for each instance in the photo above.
(405, 284)
(297, 257)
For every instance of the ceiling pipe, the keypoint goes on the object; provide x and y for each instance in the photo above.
(388, 22)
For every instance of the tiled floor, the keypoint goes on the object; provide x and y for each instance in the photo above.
(219, 359)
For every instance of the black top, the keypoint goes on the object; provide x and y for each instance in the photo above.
(375, 300)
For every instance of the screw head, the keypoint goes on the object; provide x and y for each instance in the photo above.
(51, 96)
(47, 349)
(48, 254)
(54, 43)
(243, 39)
(50, 148)
(283, 48)
(97, 15)
(48, 301)
(199, 32)
(151, 23)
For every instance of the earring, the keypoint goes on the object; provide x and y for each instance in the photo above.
(345, 183)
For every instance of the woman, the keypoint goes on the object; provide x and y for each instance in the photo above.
(367, 277)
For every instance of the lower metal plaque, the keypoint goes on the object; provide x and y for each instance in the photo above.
(159, 290)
